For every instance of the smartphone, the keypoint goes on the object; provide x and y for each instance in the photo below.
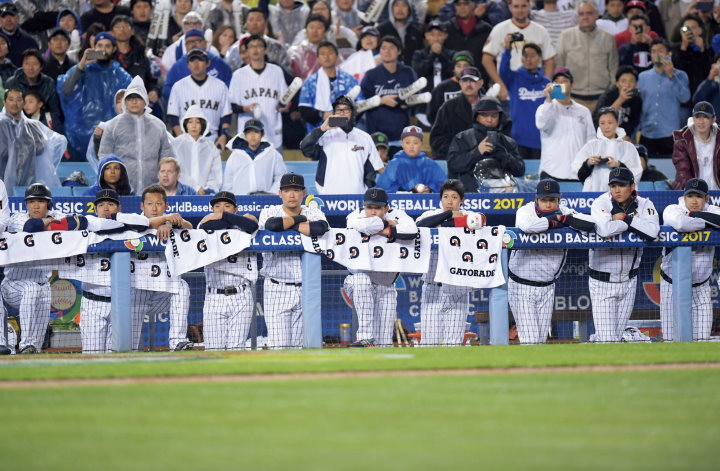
(666, 58)
(337, 121)
(96, 55)
(492, 137)
(638, 28)
(558, 91)
(704, 6)
(604, 160)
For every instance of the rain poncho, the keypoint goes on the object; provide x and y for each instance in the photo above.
(94, 143)
(200, 165)
(404, 172)
(140, 141)
(595, 178)
(123, 185)
(248, 172)
(29, 152)
(90, 101)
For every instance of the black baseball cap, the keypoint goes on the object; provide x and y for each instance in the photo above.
(226, 196)
(436, 24)
(471, 73)
(563, 72)
(463, 56)
(292, 180)
(642, 150)
(380, 139)
(696, 185)
(198, 53)
(107, 194)
(376, 196)
(548, 187)
(8, 8)
(703, 108)
(59, 31)
(621, 175)
(254, 125)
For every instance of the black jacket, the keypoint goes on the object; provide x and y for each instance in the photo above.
(45, 87)
(463, 155)
(696, 64)
(453, 117)
(473, 42)
(446, 90)
(19, 42)
(414, 39)
(7, 69)
(136, 62)
(423, 61)
(54, 69)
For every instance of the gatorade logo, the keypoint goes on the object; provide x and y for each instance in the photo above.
(378, 252)
(202, 246)
(155, 271)
(225, 238)
(29, 241)
(104, 264)
(354, 252)
(482, 244)
(404, 252)
(185, 236)
(493, 258)
(467, 257)
(56, 238)
(330, 254)
(455, 241)
(339, 238)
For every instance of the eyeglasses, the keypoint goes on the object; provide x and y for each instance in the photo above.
(343, 110)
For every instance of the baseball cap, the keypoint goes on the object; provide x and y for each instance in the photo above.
(371, 30)
(226, 196)
(486, 105)
(436, 24)
(192, 16)
(641, 150)
(59, 31)
(548, 187)
(380, 139)
(463, 56)
(563, 72)
(105, 35)
(411, 131)
(292, 180)
(376, 196)
(621, 175)
(471, 73)
(696, 185)
(198, 53)
(194, 33)
(635, 4)
(254, 125)
(703, 108)
(8, 8)
(107, 194)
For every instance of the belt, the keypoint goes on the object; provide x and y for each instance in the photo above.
(669, 280)
(283, 283)
(523, 281)
(602, 276)
(228, 290)
(95, 297)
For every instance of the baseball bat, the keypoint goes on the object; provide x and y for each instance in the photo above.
(238, 17)
(418, 99)
(373, 12)
(292, 89)
(370, 103)
(353, 93)
(413, 88)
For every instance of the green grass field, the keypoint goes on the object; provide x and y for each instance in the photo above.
(559, 419)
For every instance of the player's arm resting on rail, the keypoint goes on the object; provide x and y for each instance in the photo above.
(711, 218)
(646, 223)
(406, 229)
(681, 220)
(577, 221)
(605, 226)
(246, 222)
(443, 219)
(299, 223)
(174, 219)
(49, 223)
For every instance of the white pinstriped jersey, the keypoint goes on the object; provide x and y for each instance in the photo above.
(4, 207)
(675, 215)
(236, 270)
(265, 89)
(283, 265)
(212, 97)
(24, 271)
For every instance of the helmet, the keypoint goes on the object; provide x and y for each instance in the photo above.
(491, 178)
(39, 191)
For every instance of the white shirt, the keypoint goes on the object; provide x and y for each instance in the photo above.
(618, 148)
(613, 27)
(704, 151)
(533, 32)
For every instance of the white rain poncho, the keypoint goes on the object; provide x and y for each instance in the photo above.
(200, 165)
(29, 152)
(621, 150)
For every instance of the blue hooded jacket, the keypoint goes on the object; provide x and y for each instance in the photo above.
(78, 25)
(123, 186)
(404, 172)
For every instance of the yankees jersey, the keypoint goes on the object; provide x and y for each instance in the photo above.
(283, 265)
(675, 215)
(359, 221)
(265, 88)
(211, 96)
(620, 264)
(24, 271)
(429, 277)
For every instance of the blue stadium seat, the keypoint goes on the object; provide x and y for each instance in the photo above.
(645, 186)
(568, 187)
(532, 166)
(661, 186)
(61, 191)
(19, 190)
(665, 166)
(66, 168)
(443, 165)
(307, 169)
(79, 190)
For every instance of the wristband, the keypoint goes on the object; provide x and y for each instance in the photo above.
(461, 221)
(224, 132)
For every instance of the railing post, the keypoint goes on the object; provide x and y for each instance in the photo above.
(312, 300)
(682, 294)
(120, 311)
(499, 325)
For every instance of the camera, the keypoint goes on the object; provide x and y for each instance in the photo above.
(638, 28)
(516, 37)
(558, 91)
(492, 137)
(94, 54)
(604, 160)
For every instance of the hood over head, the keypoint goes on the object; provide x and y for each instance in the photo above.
(195, 112)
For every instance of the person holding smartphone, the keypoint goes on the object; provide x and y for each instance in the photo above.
(693, 54)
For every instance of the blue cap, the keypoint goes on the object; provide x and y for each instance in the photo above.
(621, 175)
(703, 108)
(548, 187)
(376, 196)
(194, 32)
(105, 35)
(696, 185)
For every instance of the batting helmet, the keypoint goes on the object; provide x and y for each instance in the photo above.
(39, 191)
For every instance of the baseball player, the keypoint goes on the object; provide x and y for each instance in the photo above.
(229, 301)
(282, 270)
(373, 293)
(532, 273)
(256, 89)
(4, 219)
(693, 212)
(445, 307)
(613, 272)
(206, 91)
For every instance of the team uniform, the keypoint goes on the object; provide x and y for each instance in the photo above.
(373, 293)
(532, 273)
(676, 215)
(265, 88)
(211, 96)
(444, 307)
(282, 287)
(613, 272)
(5, 329)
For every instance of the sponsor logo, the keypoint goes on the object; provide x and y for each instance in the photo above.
(185, 235)
(378, 251)
(404, 252)
(56, 238)
(202, 246)
(354, 252)
(339, 238)
(29, 241)
(225, 238)
(104, 264)
(330, 254)
(482, 244)
(455, 241)
(467, 257)
(135, 245)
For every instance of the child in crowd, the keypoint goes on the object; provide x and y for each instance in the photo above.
(410, 169)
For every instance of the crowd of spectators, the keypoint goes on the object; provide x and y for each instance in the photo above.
(582, 85)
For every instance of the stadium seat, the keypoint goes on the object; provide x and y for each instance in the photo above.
(665, 166)
(307, 169)
(66, 168)
(646, 186)
(661, 186)
(532, 166)
(19, 190)
(567, 187)
(61, 190)
(79, 190)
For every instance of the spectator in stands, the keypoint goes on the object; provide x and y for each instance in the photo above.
(87, 43)
(696, 152)
(103, 11)
(650, 173)
(386, 80)
(381, 145)
(254, 166)
(18, 40)
(709, 89)
(201, 89)
(624, 97)
(347, 12)
(671, 11)
(456, 115)
(196, 153)
(597, 157)
(693, 55)
(347, 156)
(343, 37)
(256, 23)
(467, 31)
(138, 138)
(636, 53)
(565, 126)
(365, 58)
(613, 21)
(303, 56)
(662, 89)
(590, 52)
(287, 18)
(632, 8)
(169, 178)
(449, 88)
(45, 19)
(410, 169)
(530, 32)
(94, 144)
(222, 14)
(112, 174)
(526, 87)
(218, 68)
(130, 53)
(7, 68)
(323, 87)
(58, 62)
(30, 78)
(177, 26)
(434, 62)
(400, 25)
(483, 141)
(141, 11)
(555, 20)
(223, 39)
(34, 108)
(87, 92)
(192, 21)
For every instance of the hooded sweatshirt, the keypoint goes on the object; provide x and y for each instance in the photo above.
(200, 165)
(404, 172)
(140, 141)
(249, 171)
(595, 177)
(122, 186)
